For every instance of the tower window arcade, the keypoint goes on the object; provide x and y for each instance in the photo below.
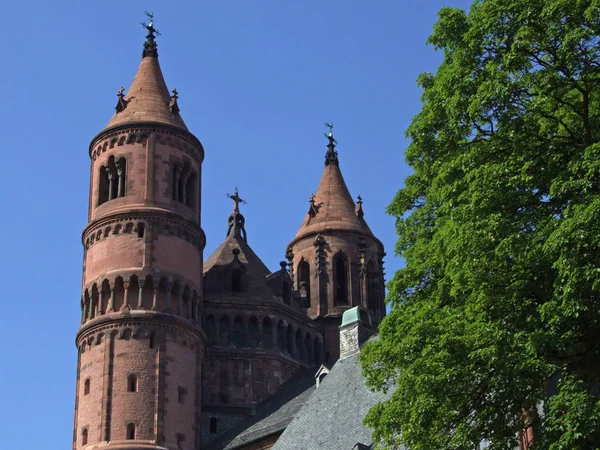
(183, 187)
(304, 282)
(113, 177)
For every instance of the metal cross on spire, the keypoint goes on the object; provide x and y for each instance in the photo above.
(150, 48)
(150, 26)
(331, 155)
(236, 200)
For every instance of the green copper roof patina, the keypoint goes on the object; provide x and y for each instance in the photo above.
(356, 314)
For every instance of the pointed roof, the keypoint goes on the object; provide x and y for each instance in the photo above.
(332, 208)
(223, 256)
(148, 98)
(234, 250)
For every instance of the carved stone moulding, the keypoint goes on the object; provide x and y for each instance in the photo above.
(151, 224)
(140, 329)
(129, 135)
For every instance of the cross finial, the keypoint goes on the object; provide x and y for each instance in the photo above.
(121, 102)
(150, 26)
(173, 106)
(331, 155)
(358, 210)
(150, 48)
(312, 199)
(236, 200)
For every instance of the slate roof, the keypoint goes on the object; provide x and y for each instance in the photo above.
(332, 416)
(272, 415)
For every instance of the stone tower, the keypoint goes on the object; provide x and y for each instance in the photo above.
(336, 261)
(140, 343)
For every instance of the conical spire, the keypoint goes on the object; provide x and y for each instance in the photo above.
(332, 208)
(148, 98)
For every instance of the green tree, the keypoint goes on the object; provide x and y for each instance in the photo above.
(496, 315)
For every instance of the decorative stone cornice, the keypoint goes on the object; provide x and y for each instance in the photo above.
(91, 333)
(334, 232)
(138, 132)
(275, 311)
(154, 222)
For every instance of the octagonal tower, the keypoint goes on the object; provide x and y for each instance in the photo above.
(336, 261)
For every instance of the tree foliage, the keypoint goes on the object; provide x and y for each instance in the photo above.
(496, 316)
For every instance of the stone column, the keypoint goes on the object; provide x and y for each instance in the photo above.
(100, 299)
(191, 308)
(155, 286)
(84, 311)
(109, 172)
(183, 194)
(140, 294)
(197, 306)
(176, 175)
(92, 306)
(111, 300)
(274, 340)
(179, 295)
(168, 302)
(120, 179)
(125, 295)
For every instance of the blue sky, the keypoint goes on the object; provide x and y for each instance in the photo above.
(257, 80)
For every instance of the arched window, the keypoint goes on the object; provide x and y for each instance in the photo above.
(141, 228)
(267, 333)
(132, 384)
(238, 337)
(224, 331)
(175, 186)
(103, 185)
(340, 279)
(84, 436)
(190, 191)
(372, 288)
(286, 292)
(131, 431)
(290, 340)
(304, 282)
(121, 184)
(211, 329)
(181, 186)
(253, 332)
(236, 280)
(86, 387)
(213, 425)
(112, 180)
(152, 340)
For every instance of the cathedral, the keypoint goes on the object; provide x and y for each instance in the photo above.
(181, 352)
